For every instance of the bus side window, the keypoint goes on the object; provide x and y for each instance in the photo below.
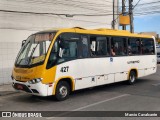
(84, 46)
(134, 46)
(99, 46)
(118, 46)
(147, 46)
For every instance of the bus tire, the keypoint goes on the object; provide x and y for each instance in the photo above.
(132, 78)
(62, 91)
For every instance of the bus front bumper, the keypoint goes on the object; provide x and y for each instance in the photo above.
(38, 89)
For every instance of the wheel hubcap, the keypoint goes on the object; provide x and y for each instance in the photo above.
(132, 78)
(63, 91)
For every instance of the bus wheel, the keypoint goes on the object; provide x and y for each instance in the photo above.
(132, 77)
(62, 91)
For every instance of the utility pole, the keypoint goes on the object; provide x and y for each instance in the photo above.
(123, 13)
(113, 22)
(131, 16)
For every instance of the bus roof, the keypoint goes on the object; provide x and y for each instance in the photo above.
(99, 31)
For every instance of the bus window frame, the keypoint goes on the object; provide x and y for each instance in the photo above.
(57, 39)
(153, 46)
(80, 46)
(39, 63)
(140, 52)
(107, 39)
(126, 43)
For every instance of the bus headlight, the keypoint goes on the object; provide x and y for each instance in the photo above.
(34, 81)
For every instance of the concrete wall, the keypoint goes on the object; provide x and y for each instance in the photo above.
(10, 43)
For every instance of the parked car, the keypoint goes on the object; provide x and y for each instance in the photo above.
(158, 57)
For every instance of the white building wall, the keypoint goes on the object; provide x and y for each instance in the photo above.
(10, 44)
(15, 27)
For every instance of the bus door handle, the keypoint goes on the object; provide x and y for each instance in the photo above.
(93, 79)
(100, 76)
(122, 72)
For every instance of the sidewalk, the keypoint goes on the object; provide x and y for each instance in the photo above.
(7, 89)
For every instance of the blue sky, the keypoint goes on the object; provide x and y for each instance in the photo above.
(148, 23)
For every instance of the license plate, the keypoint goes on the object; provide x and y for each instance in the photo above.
(20, 87)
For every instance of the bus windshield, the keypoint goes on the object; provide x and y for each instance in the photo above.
(35, 49)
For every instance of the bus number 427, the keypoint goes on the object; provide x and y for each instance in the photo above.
(64, 69)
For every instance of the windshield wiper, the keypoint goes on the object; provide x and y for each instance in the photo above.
(30, 57)
(20, 61)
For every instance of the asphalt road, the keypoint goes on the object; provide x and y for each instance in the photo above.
(142, 96)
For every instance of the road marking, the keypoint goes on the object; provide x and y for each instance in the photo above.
(90, 105)
(157, 84)
(100, 102)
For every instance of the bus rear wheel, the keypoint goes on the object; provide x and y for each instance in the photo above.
(62, 91)
(132, 77)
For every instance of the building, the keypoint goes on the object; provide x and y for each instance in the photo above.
(19, 19)
(151, 33)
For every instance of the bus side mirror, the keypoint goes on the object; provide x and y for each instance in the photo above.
(23, 42)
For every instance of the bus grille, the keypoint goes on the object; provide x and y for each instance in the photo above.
(22, 87)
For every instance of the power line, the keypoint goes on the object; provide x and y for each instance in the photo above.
(25, 12)
(148, 3)
(146, 9)
(144, 4)
(136, 4)
(145, 12)
(61, 17)
(15, 28)
(149, 12)
(68, 4)
(59, 14)
(12, 11)
(152, 9)
(49, 8)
